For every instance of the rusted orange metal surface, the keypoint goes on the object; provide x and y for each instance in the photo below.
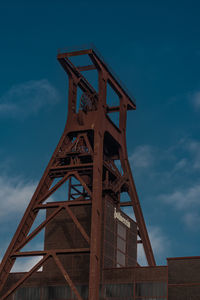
(89, 150)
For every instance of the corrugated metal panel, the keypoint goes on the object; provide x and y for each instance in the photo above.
(151, 289)
(50, 293)
(124, 291)
(56, 293)
(28, 293)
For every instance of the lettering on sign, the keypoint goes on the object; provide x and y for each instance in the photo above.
(118, 216)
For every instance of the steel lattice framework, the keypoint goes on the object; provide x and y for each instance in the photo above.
(88, 150)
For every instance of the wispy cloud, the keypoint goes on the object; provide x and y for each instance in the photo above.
(159, 241)
(142, 157)
(28, 98)
(194, 148)
(141, 258)
(183, 198)
(182, 157)
(15, 194)
(192, 220)
(187, 201)
(160, 245)
(180, 165)
(177, 169)
(195, 99)
(25, 264)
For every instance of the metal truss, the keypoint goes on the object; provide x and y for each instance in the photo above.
(87, 151)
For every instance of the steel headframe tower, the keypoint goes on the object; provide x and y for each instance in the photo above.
(88, 150)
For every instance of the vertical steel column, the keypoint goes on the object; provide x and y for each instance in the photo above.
(96, 236)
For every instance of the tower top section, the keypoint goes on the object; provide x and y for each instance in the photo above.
(96, 62)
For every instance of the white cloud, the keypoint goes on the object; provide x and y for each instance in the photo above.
(183, 198)
(186, 154)
(180, 165)
(192, 220)
(142, 157)
(141, 258)
(4, 245)
(172, 170)
(186, 200)
(15, 195)
(159, 242)
(28, 98)
(25, 264)
(195, 98)
(160, 245)
(194, 149)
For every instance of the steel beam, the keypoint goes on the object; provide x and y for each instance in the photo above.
(94, 169)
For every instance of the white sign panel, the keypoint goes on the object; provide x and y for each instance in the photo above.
(117, 215)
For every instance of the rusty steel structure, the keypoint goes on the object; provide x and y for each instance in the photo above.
(90, 151)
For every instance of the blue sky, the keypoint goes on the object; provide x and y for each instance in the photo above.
(154, 47)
